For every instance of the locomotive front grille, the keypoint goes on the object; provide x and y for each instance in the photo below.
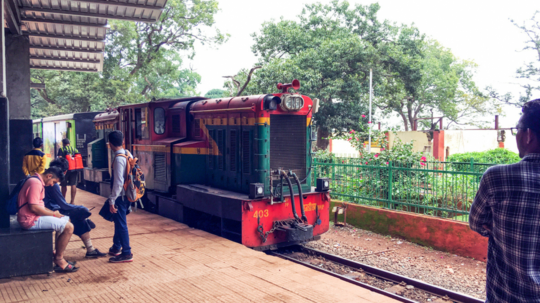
(288, 143)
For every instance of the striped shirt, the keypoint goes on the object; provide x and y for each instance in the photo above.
(508, 204)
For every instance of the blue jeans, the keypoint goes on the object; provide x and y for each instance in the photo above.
(121, 234)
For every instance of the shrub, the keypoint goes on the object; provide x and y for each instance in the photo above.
(494, 156)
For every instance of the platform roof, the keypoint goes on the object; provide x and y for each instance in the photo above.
(70, 34)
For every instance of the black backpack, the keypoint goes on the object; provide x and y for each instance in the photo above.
(11, 206)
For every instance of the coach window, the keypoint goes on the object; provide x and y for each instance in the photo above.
(159, 121)
(138, 123)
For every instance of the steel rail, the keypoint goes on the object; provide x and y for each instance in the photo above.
(455, 296)
(347, 279)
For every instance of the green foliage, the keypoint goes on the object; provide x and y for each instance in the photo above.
(530, 72)
(331, 49)
(494, 156)
(142, 61)
(215, 93)
(401, 154)
(428, 189)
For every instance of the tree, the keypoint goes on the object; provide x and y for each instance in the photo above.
(330, 56)
(141, 61)
(215, 93)
(332, 48)
(441, 83)
(530, 72)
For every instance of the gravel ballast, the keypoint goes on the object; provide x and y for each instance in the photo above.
(464, 275)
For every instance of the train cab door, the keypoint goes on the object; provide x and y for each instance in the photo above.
(126, 129)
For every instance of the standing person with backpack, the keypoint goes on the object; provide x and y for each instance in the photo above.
(119, 205)
(71, 178)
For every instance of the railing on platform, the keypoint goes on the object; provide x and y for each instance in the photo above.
(441, 189)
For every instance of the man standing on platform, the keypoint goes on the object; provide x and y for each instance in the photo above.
(507, 210)
(71, 176)
(34, 161)
(119, 205)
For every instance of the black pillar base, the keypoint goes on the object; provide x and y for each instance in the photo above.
(4, 162)
(25, 252)
(20, 142)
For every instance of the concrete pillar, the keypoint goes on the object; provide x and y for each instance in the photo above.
(18, 93)
(4, 130)
(438, 145)
(2, 53)
(18, 76)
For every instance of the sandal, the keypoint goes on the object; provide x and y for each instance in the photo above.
(68, 268)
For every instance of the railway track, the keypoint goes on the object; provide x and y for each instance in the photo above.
(392, 285)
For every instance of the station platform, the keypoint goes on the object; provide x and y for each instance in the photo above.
(175, 263)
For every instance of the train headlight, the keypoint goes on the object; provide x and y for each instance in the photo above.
(292, 102)
(323, 184)
(256, 190)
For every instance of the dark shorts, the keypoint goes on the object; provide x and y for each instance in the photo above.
(71, 178)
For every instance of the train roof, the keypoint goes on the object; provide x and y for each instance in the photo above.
(65, 117)
(195, 98)
(107, 116)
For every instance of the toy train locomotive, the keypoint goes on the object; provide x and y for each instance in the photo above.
(225, 165)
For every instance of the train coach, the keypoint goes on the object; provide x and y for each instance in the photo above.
(238, 167)
(78, 128)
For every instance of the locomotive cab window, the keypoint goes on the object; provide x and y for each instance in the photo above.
(159, 121)
(138, 123)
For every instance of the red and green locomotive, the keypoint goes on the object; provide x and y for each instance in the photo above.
(227, 165)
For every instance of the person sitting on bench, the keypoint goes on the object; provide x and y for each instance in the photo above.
(78, 214)
(33, 215)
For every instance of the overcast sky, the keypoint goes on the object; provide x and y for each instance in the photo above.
(474, 30)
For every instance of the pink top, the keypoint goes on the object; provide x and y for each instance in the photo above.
(32, 192)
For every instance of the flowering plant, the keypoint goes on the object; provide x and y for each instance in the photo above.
(401, 154)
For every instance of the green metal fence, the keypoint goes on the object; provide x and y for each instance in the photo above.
(442, 189)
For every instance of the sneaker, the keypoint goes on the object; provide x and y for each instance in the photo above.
(95, 254)
(122, 259)
(113, 252)
(91, 224)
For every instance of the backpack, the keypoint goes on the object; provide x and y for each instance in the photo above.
(12, 207)
(134, 184)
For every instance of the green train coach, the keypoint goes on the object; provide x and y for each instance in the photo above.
(78, 128)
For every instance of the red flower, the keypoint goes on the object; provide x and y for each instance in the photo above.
(382, 148)
(423, 159)
(366, 163)
(349, 139)
(343, 162)
(422, 163)
(363, 116)
(369, 121)
(357, 139)
(387, 163)
(376, 155)
(352, 131)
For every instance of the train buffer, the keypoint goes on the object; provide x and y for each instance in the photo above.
(340, 210)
